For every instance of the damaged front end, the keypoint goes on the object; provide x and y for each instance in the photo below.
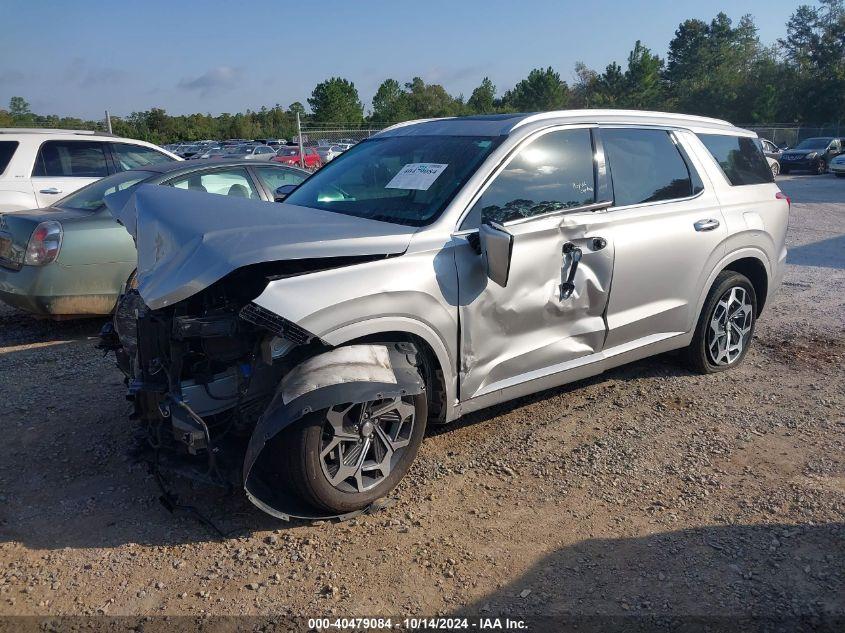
(213, 379)
(221, 383)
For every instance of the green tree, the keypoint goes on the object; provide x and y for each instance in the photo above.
(19, 107)
(430, 100)
(390, 103)
(644, 88)
(541, 90)
(336, 100)
(483, 98)
(296, 107)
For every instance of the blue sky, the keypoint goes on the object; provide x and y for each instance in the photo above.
(80, 57)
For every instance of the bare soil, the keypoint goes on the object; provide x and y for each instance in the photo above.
(647, 490)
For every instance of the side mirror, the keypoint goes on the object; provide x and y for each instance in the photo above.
(496, 248)
(283, 192)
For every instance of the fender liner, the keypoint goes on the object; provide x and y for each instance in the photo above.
(352, 373)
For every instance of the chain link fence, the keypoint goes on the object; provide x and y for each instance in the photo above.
(330, 140)
(791, 135)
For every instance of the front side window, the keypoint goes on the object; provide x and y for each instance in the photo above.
(647, 166)
(740, 158)
(90, 198)
(551, 173)
(403, 179)
(273, 178)
(81, 159)
(225, 182)
(134, 156)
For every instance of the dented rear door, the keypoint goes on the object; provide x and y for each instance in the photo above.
(549, 196)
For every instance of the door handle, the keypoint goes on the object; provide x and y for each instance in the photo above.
(568, 286)
(51, 190)
(706, 225)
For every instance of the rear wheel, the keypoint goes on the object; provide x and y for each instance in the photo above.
(343, 458)
(725, 326)
(784, 170)
(840, 175)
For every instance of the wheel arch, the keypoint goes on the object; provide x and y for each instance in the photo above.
(751, 262)
(441, 380)
(755, 270)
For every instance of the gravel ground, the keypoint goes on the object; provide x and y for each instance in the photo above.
(647, 490)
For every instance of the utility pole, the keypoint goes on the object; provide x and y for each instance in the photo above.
(299, 137)
(108, 122)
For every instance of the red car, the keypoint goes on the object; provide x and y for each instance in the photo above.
(289, 155)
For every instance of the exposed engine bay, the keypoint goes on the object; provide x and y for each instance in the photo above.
(215, 377)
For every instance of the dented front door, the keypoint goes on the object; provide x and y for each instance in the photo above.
(546, 197)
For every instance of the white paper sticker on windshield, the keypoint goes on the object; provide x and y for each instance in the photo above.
(416, 176)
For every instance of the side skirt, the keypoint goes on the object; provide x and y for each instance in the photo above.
(573, 370)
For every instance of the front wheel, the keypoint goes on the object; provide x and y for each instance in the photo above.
(821, 167)
(775, 169)
(725, 326)
(343, 458)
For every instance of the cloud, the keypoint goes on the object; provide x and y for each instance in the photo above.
(11, 77)
(84, 75)
(214, 80)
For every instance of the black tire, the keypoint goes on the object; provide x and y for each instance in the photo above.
(299, 450)
(821, 167)
(840, 175)
(696, 356)
(784, 170)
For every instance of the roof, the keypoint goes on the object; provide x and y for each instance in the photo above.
(504, 124)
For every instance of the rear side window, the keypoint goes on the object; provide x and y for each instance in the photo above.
(134, 156)
(7, 150)
(82, 159)
(740, 158)
(647, 166)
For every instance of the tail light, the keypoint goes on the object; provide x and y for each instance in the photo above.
(780, 195)
(44, 244)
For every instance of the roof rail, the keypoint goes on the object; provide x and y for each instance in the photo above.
(51, 130)
(621, 113)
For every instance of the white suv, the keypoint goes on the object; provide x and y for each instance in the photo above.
(40, 166)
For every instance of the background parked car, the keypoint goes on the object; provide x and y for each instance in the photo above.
(40, 166)
(212, 152)
(289, 155)
(330, 152)
(812, 154)
(837, 166)
(250, 152)
(772, 153)
(73, 259)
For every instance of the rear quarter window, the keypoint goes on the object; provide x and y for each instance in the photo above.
(740, 157)
(7, 150)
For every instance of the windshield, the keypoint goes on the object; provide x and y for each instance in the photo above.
(402, 179)
(90, 198)
(814, 143)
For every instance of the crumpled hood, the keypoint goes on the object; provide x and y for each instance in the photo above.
(187, 240)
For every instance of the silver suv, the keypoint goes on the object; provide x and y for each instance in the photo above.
(438, 268)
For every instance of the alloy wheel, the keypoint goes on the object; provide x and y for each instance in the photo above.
(821, 167)
(730, 326)
(362, 442)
